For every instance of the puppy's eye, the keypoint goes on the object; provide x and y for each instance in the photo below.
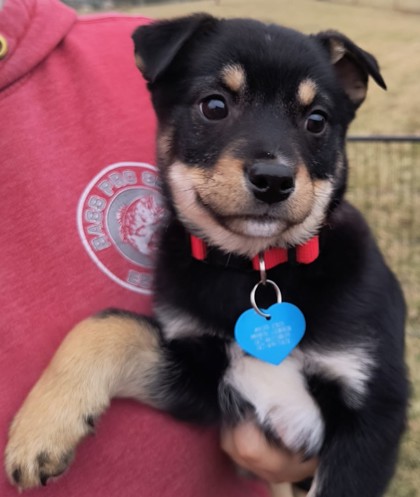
(214, 108)
(316, 123)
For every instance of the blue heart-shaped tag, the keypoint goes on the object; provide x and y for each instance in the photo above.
(271, 340)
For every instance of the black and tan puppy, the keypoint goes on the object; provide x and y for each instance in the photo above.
(252, 125)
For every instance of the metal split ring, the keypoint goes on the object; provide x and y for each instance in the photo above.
(254, 290)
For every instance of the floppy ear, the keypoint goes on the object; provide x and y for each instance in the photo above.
(157, 44)
(353, 65)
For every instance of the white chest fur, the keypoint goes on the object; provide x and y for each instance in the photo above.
(280, 394)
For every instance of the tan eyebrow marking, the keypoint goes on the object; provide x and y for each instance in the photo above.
(233, 75)
(306, 92)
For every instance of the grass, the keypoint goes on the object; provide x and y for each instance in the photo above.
(406, 482)
(385, 185)
(385, 181)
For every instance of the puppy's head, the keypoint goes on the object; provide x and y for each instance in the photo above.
(252, 122)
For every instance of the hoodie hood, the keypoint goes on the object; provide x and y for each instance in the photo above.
(32, 29)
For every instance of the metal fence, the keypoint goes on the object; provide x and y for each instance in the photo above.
(385, 186)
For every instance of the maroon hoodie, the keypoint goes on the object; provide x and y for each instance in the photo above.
(78, 214)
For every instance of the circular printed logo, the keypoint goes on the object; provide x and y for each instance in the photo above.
(118, 217)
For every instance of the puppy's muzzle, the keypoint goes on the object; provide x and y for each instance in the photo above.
(270, 182)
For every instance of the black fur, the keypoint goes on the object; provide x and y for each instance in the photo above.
(348, 295)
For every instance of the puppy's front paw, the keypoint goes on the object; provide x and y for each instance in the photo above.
(299, 427)
(282, 403)
(44, 434)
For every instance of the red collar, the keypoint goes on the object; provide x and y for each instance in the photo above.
(305, 253)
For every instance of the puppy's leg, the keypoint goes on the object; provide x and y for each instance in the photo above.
(282, 490)
(114, 354)
(361, 446)
(280, 397)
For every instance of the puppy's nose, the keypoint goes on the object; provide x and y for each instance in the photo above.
(271, 182)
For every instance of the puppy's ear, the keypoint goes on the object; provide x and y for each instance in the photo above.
(157, 44)
(353, 65)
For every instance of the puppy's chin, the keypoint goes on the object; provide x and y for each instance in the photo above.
(246, 235)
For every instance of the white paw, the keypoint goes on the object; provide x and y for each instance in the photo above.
(281, 400)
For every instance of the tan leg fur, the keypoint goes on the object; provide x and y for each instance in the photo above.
(287, 490)
(101, 358)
